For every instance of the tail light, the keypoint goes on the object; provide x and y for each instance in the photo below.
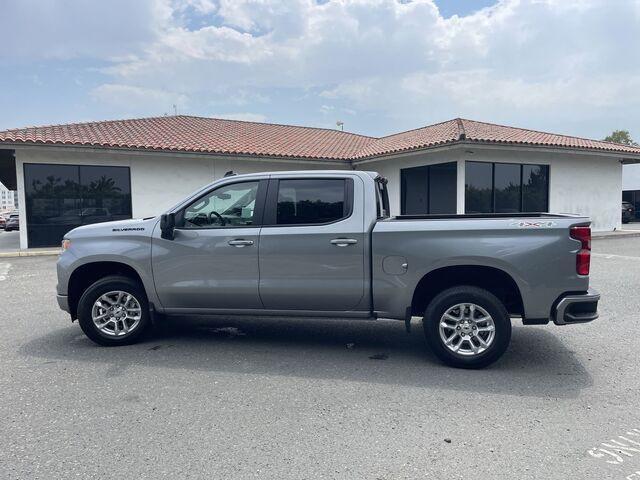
(583, 258)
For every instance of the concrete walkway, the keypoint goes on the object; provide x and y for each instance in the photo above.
(30, 252)
(628, 230)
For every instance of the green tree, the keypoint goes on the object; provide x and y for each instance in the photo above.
(620, 136)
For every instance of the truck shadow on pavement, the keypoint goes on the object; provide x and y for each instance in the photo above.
(537, 364)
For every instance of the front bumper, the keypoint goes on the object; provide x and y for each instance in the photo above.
(63, 302)
(576, 308)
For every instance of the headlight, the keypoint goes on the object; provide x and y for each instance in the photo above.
(66, 244)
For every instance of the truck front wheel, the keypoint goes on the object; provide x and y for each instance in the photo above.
(114, 311)
(467, 327)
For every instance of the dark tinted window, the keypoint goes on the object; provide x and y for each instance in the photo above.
(478, 187)
(310, 201)
(62, 197)
(105, 194)
(443, 187)
(52, 194)
(429, 189)
(506, 186)
(535, 188)
(415, 190)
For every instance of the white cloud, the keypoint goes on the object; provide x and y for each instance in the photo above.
(50, 29)
(569, 65)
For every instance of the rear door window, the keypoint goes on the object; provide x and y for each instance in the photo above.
(312, 201)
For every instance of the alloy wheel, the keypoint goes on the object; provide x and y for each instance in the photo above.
(116, 313)
(467, 329)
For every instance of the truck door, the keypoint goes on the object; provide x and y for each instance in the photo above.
(312, 244)
(212, 263)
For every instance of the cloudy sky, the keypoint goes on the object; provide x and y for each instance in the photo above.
(380, 66)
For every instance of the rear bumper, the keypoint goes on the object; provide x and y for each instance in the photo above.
(578, 308)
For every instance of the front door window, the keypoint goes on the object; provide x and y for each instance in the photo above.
(228, 206)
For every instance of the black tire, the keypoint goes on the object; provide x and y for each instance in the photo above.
(99, 288)
(467, 294)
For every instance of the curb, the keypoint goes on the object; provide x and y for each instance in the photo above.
(26, 253)
(619, 234)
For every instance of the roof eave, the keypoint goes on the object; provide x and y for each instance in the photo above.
(151, 150)
(624, 157)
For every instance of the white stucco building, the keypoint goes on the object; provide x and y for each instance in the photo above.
(74, 174)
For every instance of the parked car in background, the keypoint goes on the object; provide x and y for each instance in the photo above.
(314, 244)
(13, 223)
(3, 222)
(628, 212)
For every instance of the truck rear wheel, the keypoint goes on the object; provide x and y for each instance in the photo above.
(114, 311)
(467, 327)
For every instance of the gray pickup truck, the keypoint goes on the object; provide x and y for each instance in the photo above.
(322, 244)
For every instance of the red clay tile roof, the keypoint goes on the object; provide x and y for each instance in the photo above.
(489, 132)
(217, 136)
(460, 129)
(431, 136)
(198, 134)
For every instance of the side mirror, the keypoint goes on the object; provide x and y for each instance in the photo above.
(168, 225)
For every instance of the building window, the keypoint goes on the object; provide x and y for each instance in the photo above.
(60, 198)
(506, 187)
(428, 190)
(535, 188)
(478, 187)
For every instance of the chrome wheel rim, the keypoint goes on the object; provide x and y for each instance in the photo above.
(467, 329)
(116, 313)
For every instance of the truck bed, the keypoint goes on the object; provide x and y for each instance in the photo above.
(534, 249)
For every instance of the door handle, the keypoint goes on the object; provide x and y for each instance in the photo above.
(240, 243)
(343, 242)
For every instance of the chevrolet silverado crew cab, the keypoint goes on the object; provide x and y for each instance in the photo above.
(322, 244)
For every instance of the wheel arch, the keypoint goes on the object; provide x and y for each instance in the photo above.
(492, 279)
(86, 274)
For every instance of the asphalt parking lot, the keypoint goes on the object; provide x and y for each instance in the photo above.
(291, 399)
(9, 241)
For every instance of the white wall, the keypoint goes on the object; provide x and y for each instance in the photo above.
(578, 183)
(158, 181)
(588, 185)
(631, 177)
